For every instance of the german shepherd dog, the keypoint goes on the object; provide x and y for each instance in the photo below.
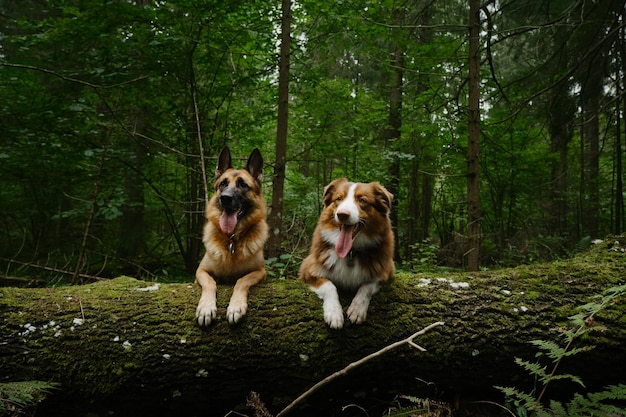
(234, 237)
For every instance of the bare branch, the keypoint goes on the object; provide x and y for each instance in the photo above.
(408, 340)
(49, 268)
(74, 80)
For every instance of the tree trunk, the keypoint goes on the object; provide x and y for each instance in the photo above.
(275, 218)
(473, 180)
(413, 205)
(132, 238)
(590, 137)
(620, 214)
(393, 132)
(116, 347)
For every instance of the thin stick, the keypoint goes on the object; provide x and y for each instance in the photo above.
(408, 340)
(49, 268)
(199, 134)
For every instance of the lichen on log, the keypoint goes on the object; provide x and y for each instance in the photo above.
(124, 344)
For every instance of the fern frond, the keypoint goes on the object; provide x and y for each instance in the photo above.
(553, 350)
(404, 412)
(522, 399)
(594, 404)
(612, 392)
(600, 404)
(574, 351)
(569, 377)
(557, 409)
(23, 394)
(533, 368)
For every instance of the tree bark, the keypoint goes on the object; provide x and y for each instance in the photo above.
(473, 164)
(590, 137)
(114, 346)
(393, 132)
(275, 217)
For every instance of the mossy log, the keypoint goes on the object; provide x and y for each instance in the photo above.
(123, 346)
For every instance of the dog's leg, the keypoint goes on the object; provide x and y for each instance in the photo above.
(357, 312)
(207, 306)
(333, 312)
(238, 305)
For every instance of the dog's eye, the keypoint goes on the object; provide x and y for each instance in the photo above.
(242, 184)
(339, 198)
(224, 184)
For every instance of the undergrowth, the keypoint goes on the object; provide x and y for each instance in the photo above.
(603, 403)
(18, 398)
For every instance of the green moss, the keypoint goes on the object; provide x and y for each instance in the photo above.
(284, 326)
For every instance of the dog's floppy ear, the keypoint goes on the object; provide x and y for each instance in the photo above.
(383, 197)
(330, 189)
(255, 165)
(224, 162)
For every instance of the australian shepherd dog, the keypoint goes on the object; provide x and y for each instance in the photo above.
(234, 237)
(352, 248)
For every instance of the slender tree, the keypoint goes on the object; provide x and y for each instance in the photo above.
(393, 131)
(473, 183)
(620, 217)
(275, 218)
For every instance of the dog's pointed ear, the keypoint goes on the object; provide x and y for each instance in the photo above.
(383, 197)
(255, 165)
(330, 189)
(224, 162)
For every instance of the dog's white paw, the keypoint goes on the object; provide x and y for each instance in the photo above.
(357, 312)
(333, 315)
(206, 311)
(236, 310)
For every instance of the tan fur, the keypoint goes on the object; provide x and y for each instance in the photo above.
(371, 259)
(245, 265)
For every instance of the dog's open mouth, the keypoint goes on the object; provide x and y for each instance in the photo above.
(228, 221)
(347, 233)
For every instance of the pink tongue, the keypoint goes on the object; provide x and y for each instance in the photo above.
(344, 242)
(228, 222)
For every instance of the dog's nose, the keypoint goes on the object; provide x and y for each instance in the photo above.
(226, 200)
(343, 216)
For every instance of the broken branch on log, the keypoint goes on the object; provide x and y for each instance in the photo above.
(344, 371)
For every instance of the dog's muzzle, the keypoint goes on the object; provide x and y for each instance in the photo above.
(229, 202)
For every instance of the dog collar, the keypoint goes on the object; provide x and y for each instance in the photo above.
(351, 258)
(233, 239)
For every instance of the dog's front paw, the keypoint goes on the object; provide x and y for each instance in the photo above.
(333, 315)
(206, 311)
(236, 310)
(357, 312)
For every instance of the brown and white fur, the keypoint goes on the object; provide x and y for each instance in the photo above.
(352, 248)
(234, 237)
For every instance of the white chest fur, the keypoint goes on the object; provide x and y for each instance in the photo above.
(346, 273)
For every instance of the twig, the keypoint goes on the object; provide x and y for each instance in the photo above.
(74, 80)
(49, 268)
(91, 214)
(82, 312)
(408, 340)
(199, 134)
(495, 404)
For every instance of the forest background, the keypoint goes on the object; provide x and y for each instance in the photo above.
(107, 106)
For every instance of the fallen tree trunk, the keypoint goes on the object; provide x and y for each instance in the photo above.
(127, 347)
